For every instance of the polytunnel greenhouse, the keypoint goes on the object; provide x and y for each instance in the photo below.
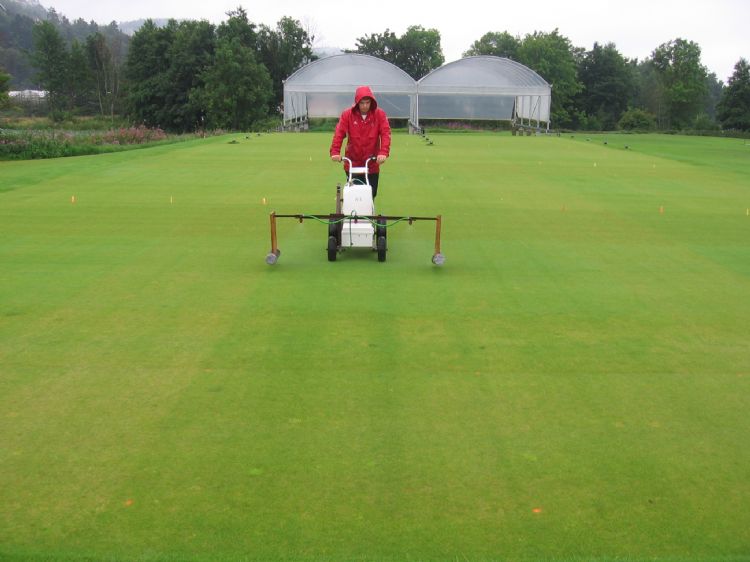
(476, 88)
(325, 87)
(489, 88)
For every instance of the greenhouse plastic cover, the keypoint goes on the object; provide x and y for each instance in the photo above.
(481, 87)
(324, 88)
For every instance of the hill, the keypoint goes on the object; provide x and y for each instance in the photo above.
(130, 27)
(17, 19)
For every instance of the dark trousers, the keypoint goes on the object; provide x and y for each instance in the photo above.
(373, 181)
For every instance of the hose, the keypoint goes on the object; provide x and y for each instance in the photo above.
(353, 216)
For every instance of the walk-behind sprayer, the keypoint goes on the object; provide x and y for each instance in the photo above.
(355, 224)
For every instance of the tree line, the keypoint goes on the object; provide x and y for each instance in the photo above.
(598, 89)
(193, 74)
(180, 77)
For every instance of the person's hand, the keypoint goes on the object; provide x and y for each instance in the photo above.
(381, 158)
(336, 157)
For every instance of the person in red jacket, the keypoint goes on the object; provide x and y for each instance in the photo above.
(366, 127)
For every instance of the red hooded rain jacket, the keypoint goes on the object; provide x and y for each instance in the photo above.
(366, 137)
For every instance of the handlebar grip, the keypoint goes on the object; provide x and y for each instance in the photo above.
(344, 158)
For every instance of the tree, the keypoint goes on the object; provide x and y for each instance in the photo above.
(4, 88)
(553, 57)
(649, 91)
(283, 50)
(20, 33)
(734, 108)
(18, 65)
(190, 54)
(105, 71)
(495, 44)
(146, 68)
(714, 89)
(238, 26)
(193, 74)
(237, 88)
(80, 80)
(382, 45)
(102, 67)
(683, 78)
(607, 84)
(417, 52)
(80, 29)
(50, 58)
(53, 18)
(118, 44)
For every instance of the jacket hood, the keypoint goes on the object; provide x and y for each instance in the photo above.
(365, 92)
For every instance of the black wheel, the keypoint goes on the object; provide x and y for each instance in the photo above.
(381, 248)
(332, 248)
(380, 229)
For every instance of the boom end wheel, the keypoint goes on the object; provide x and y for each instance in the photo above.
(273, 257)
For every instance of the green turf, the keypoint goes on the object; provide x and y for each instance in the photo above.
(573, 384)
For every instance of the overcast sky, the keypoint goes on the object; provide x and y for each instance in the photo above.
(637, 27)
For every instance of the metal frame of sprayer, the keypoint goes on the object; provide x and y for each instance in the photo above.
(355, 224)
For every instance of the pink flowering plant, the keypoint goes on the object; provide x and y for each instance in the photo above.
(133, 135)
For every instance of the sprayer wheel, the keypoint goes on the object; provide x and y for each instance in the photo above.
(381, 248)
(380, 229)
(332, 248)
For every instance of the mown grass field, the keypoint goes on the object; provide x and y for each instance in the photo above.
(573, 384)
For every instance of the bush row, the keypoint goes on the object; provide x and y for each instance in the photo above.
(33, 144)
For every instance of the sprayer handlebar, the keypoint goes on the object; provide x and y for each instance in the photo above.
(358, 169)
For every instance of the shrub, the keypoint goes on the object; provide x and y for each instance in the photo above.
(705, 123)
(637, 120)
(34, 144)
(268, 124)
(59, 116)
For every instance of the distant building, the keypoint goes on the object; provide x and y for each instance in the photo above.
(28, 97)
(28, 94)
